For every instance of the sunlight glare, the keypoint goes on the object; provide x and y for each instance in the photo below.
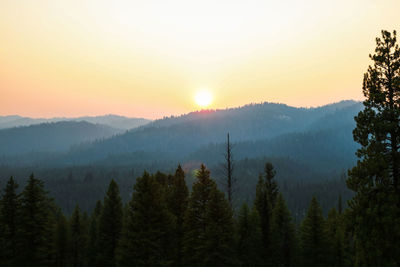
(203, 98)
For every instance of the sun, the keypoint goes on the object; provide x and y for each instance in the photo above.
(203, 98)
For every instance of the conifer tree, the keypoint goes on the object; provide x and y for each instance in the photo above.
(266, 195)
(249, 238)
(110, 225)
(78, 238)
(9, 207)
(208, 225)
(283, 237)
(145, 238)
(93, 235)
(36, 226)
(336, 238)
(177, 205)
(62, 241)
(376, 177)
(313, 237)
(219, 231)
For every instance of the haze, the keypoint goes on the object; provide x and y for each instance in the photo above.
(149, 58)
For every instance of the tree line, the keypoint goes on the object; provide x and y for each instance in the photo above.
(166, 225)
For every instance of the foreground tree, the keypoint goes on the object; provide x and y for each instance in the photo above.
(62, 248)
(36, 227)
(338, 248)
(78, 238)
(283, 238)
(208, 239)
(110, 225)
(313, 237)
(92, 248)
(266, 195)
(177, 204)
(146, 234)
(249, 241)
(9, 206)
(375, 209)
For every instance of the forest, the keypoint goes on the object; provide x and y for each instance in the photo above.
(257, 209)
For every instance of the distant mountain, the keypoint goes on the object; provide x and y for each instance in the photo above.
(258, 129)
(51, 137)
(114, 121)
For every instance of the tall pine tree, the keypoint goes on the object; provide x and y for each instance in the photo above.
(283, 235)
(92, 248)
(266, 195)
(249, 241)
(313, 237)
(208, 225)
(147, 228)
(376, 178)
(36, 226)
(177, 204)
(62, 248)
(9, 207)
(110, 225)
(78, 239)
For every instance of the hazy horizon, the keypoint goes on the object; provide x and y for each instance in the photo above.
(150, 59)
(163, 116)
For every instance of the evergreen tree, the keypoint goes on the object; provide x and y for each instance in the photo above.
(249, 238)
(110, 225)
(283, 237)
(266, 195)
(336, 237)
(36, 226)
(177, 205)
(93, 235)
(208, 225)
(375, 179)
(313, 237)
(219, 231)
(9, 207)
(145, 239)
(78, 238)
(62, 241)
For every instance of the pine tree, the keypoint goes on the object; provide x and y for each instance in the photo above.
(110, 225)
(219, 231)
(145, 238)
(36, 226)
(283, 236)
(93, 235)
(336, 238)
(9, 207)
(266, 195)
(78, 238)
(208, 225)
(249, 238)
(62, 241)
(375, 179)
(177, 205)
(313, 237)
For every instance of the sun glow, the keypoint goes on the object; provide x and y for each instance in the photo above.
(203, 98)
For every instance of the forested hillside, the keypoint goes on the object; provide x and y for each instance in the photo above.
(177, 138)
(50, 137)
(114, 121)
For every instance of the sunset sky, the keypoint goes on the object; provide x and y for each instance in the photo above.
(150, 58)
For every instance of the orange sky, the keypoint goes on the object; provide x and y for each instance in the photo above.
(150, 58)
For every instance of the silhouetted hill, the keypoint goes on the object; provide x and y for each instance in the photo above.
(50, 137)
(114, 121)
(259, 129)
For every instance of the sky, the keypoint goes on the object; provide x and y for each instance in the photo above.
(151, 58)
